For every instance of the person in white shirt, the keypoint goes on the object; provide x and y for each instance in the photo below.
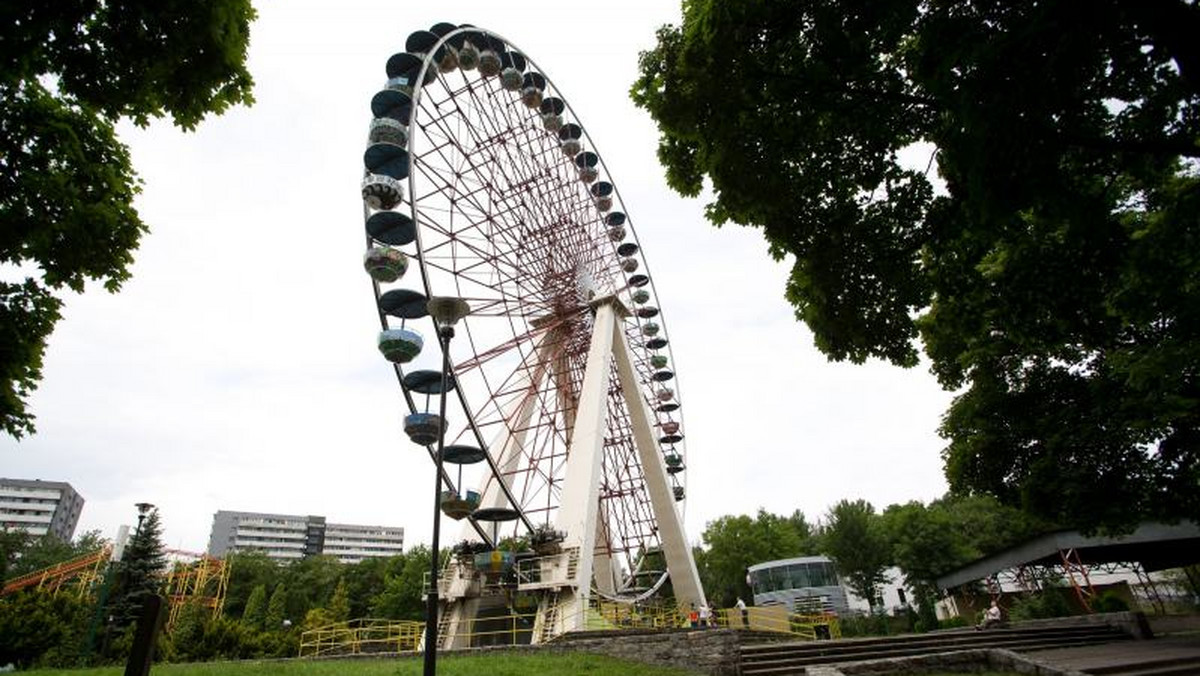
(990, 618)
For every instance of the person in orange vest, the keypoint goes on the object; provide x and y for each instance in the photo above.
(694, 617)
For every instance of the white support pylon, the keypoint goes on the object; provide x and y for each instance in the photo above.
(579, 511)
(579, 506)
(685, 579)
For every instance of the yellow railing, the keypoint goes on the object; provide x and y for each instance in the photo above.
(777, 619)
(370, 635)
(613, 615)
(364, 635)
(499, 630)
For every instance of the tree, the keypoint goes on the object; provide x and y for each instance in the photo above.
(68, 72)
(248, 570)
(401, 595)
(12, 543)
(1052, 282)
(41, 628)
(256, 608)
(734, 543)
(276, 609)
(48, 550)
(141, 571)
(365, 579)
(339, 603)
(929, 541)
(853, 537)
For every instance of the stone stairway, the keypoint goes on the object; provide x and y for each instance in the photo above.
(794, 657)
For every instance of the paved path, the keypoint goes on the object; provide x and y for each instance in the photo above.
(1124, 653)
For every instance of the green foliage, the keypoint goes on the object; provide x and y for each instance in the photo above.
(930, 541)
(310, 583)
(247, 571)
(276, 608)
(1109, 602)
(400, 598)
(12, 543)
(39, 628)
(68, 72)
(854, 538)
(364, 580)
(734, 543)
(48, 550)
(339, 603)
(1053, 283)
(1049, 602)
(140, 572)
(256, 608)
(187, 636)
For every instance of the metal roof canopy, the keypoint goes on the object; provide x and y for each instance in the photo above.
(1156, 546)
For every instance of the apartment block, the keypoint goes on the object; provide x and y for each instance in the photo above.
(40, 507)
(288, 537)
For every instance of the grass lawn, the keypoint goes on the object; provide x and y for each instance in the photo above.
(494, 664)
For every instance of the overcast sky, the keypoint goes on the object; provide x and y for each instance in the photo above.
(237, 369)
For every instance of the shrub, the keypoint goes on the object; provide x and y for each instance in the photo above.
(1109, 602)
(1049, 602)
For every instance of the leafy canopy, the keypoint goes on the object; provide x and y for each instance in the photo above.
(734, 543)
(68, 72)
(1054, 280)
(854, 538)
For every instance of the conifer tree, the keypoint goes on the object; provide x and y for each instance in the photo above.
(276, 608)
(339, 604)
(140, 573)
(256, 608)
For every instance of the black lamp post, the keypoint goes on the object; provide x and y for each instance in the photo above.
(446, 312)
(143, 509)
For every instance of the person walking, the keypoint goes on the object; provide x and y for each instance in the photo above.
(694, 617)
(741, 606)
(705, 615)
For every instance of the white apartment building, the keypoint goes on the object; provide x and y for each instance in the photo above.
(287, 537)
(40, 507)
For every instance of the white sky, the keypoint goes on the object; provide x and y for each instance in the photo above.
(237, 369)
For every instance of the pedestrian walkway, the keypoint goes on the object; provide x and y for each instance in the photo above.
(1175, 656)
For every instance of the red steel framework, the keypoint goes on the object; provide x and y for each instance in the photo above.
(505, 222)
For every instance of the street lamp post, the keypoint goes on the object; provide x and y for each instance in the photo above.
(446, 312)
(143, 509)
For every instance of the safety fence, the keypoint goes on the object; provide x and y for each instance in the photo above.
(355, 637)
(376, 635)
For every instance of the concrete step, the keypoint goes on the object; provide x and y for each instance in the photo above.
(1165, 666)
(780, 664)
(942, 642)
(1171, 670)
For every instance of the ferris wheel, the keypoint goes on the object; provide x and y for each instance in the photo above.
(563, 414)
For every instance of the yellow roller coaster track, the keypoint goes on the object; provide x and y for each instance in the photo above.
(80, 572)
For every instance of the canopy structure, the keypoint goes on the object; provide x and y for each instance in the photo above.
(1072, 555)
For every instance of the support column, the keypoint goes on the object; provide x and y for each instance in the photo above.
(685, 579)
(580, 498)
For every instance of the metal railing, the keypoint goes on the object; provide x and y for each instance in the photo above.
(779, 620)
(362, 636)
(373, 635)
(553, 570)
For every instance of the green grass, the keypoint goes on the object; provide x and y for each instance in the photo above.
(494, 664)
